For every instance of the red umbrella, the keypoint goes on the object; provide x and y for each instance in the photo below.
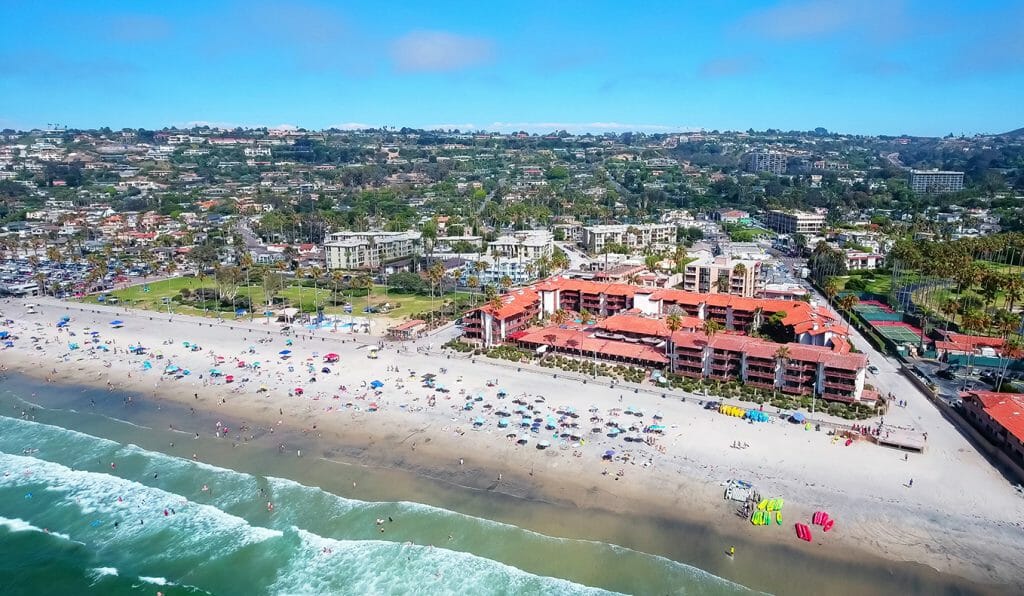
(298, 390)
(229, 379)
(241, 364)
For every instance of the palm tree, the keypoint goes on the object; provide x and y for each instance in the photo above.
(711, 327)
(848, 301)
(560, 317)
(585, 316)
(364, 281)
(457, 277)
(674, 322)
(473, 282)
(1011, 350)
(950, 307)
(505, 282)
(831, 289)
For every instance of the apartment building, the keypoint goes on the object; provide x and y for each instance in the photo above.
(795, 222)
(723, 275)
(767, 161)
(369, 250)
(935, 181)
(527, 245)
(635, 237)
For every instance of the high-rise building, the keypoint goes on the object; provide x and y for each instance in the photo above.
(767, 161)
(936, 181)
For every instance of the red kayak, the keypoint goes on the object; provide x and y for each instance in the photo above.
(803, 532)
(828, 525)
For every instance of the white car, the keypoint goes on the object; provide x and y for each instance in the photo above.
(873, 369)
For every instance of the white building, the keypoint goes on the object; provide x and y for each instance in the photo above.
(635, 237)
(795, 222)
(936, 181)
(525, 245)
(369, 250)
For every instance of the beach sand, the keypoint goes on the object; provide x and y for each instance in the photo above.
(960, 516)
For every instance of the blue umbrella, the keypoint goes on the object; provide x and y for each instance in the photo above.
(797, 417)
(186, 372)
(215, 371)
(5, 334)
(117, 322)
(61, 324)
(147, 365)
(376, 384)
(502, 422)
(65, 319)
(479, 421)
(285, 352)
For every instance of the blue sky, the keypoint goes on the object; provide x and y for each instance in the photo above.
(868, 66)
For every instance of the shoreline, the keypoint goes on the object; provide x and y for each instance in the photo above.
(685, 492)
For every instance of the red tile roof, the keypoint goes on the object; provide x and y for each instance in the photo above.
(1005, 408)
(558, 337)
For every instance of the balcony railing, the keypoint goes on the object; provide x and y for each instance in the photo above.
(839, 386)
(840, 373)
(760, 383)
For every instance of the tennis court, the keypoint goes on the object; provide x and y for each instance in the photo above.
(898, 332)
(876, 311)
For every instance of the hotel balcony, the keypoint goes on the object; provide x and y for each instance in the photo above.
(760, 371)
(724, 366)
(833, 395)
(798, 378)
(693, 373)
(830, 384)
(840, 373)
(797, 389)
(760, 383)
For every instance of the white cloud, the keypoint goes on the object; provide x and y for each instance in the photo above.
(451, 126)
(351, 126)
(584, 127)
(818, 18)
(439, 51)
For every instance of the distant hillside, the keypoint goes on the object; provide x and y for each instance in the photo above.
(1014, 133)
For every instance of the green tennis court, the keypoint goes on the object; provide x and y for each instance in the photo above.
(898, 334)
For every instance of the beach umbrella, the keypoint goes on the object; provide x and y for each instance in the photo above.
(215, 372)
(117, 323)
(255, 364)
(147, 365)
(299, 391)
(61, 324)
(285, 352)
(171, 368)
(5, 334)
(797, 417)
(104, 348)
(325, 370)
(65, 319)
(229, 379)
(502, 422)
(523, 439)
(479, 421)
(241, 364)
(332, 357)
(186, 372)
(543, 445)
(376, 384)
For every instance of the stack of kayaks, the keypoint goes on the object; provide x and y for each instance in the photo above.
(822, 519)
(732, 411)
(761, 518)
(803, 532)
(771, 504)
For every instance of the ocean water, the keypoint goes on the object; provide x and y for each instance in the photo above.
(84, 514)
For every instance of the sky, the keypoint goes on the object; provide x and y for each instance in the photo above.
(929, 67)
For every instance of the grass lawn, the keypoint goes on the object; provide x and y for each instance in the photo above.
(153, 298)
(881, 284)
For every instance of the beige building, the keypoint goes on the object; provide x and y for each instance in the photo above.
(723, 275)
(636, 237)
(795, 222)
(369, 250)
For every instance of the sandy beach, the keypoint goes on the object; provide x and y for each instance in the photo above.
(959, 516)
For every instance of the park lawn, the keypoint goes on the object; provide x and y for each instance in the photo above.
(138, 296)
(408, 303)
(881, 284)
